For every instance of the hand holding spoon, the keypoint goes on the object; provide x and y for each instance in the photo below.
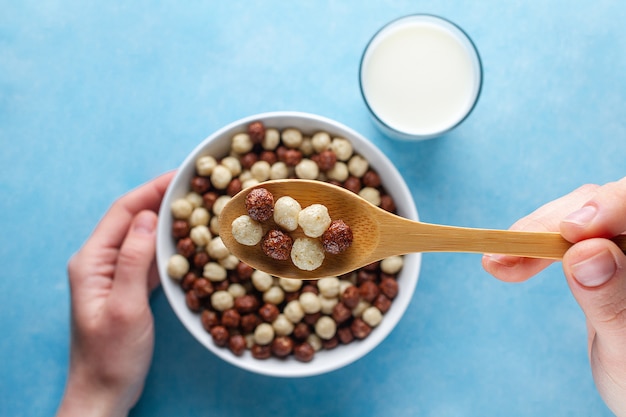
(379, 234)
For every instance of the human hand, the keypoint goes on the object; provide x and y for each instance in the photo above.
(595, 269)
(110, 278)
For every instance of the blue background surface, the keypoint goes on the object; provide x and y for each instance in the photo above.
(96, 99)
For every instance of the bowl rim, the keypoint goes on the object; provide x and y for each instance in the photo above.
(324, 361)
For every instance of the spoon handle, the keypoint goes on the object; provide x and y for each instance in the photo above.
(425, 237)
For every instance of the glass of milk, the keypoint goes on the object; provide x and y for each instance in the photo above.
(420, 77)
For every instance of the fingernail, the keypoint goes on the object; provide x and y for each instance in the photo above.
(583, 216)
(504, 260)
(595, 271)
(145, 222)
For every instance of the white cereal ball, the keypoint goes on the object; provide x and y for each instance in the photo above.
(249, 338)
(315, 342)
(325, 327)
(286, 211)
(358, 166)
(249, 183)
(214, 225)
(343, 284)
(260, 170)
(282, 326)
(327, 304)
(205, 165)
(181, 208)
(372, 316)
(216, 248)
(279, 171)
(236, 290)
(392, 265)
(274, 295)
(306, 147)
(307, 254)
(320, 141)
(307, 169)
(342, 148)
(247, 231)
(222, 300)
(290, 284)
(219, 204)
(245, 175)
(214, 272)
(233, 164)
(370, 194)
(221, 177)
(292, 138)
(329, 286)
(177, 266)
(310, 302)
(200, 235)
(195, 199)
(314, 220)
(230, 262)
(293, 311)
(360, 308)
(272, 139)
(241, 143)
(339, 172)
(263, 334)
(199, 217)
(262, 281)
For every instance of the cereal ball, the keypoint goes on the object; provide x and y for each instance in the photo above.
(201, 235)
(327, 304)
(282, 346)
(219, 204)
(337, 238)
(286, 211)
(370, 194)
(358, 166)
(282, 326)
(307, 169)
(325, 160)
(256, 131)
(241, 143)
(293, 311)
(177, 266)
(290, 284)
(222, 300)
(274, 295)
(339, 172)
(181, 208)
(320, 141)
(277, 245)
(392, 265)
(306, 147)
(216, 248)
(262, 281)
(279, 171)
(230, 262)
(329, 286)
(314, 220)
(315, 341)
(292, 138)
(343, 284)
(233, 164)
(199, 217)
(263, 334)
(200, 184)
(205, 165)
(307, 254)
(246, 231)
(195, 199)
(360, 329)
(236, 290)
(268, 312)
(261, 170)
(310, 302)
(214, 225)
(361, 306)
(325, 327)
(342, 148)
(260, 204)
(272, 139)
(214, 272)
(249, 183)
(372, 316)
(221, 177)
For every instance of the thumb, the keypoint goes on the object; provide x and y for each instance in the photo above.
(135, 257)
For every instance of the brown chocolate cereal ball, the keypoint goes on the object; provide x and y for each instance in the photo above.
(350, 297)
(360, 329)
(192, 301)
(246, 303)
(220, 335)
(186, 247)
(389, 287)
(304, 352)
(231, 318)
(186, 283)
(203, 288)
(341, 313)
(369, 291)
(200, 259)
(237, 344)
(337, 238)
(256, 131)
(383, 303)
(282, 346)
(200, 184)
(180, 229)
(209, 319)
(344, 334)
(277, 245)
(209, 199)
(261, 351)
(268, 312)
(249, 322)
(301, 331)
(260, 204)
(371, 179)
(325, 160)
(353, 184)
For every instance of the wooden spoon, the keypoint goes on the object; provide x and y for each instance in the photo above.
(378, 234)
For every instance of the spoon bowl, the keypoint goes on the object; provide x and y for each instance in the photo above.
(377, 233)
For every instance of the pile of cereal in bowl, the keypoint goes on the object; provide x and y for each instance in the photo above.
(246, 309)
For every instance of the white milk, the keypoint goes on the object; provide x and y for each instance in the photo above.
(420, 76)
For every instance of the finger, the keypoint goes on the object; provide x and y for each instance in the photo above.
(604, 215)
(545, 219)
(135, 259)
(112, 229)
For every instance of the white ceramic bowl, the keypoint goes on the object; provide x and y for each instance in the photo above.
(218, 145)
